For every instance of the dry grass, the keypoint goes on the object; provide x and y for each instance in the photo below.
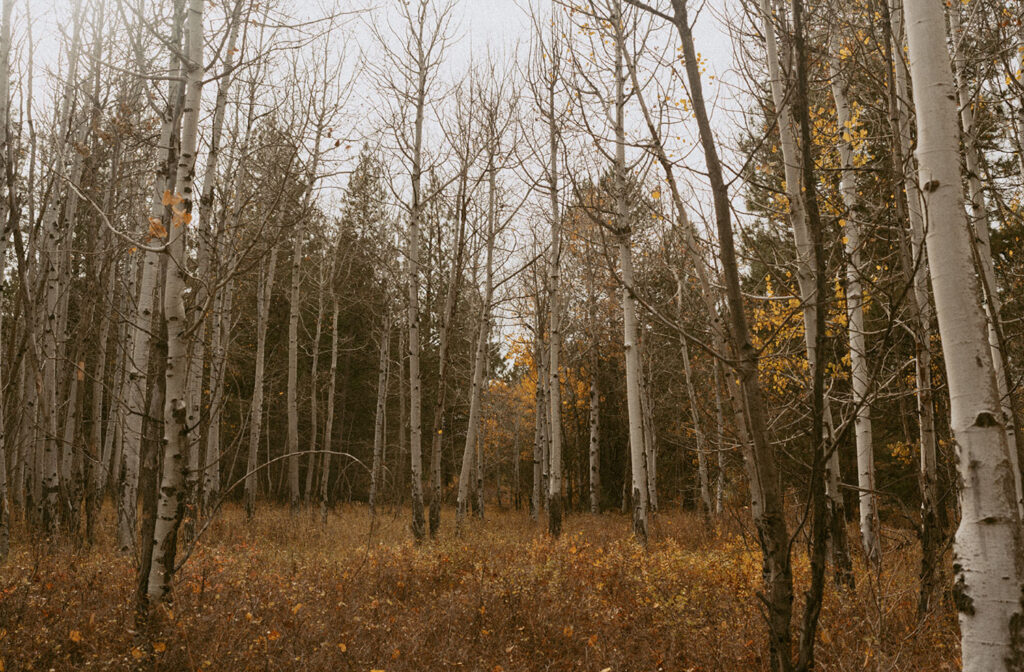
(283, 594)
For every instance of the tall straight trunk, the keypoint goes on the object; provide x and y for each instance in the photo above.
(314, 395)
(595, 439)
(170, 505)
(142, 325)
(554, 313)
(264, 291)
(859, 370)
(450, 304)
(623, 226)
(294, 307)
(915, 267)
(540, 421)
(6, 157)
(378, 420)
(325, 472)
(413, 282)
(220, 327)
(983, 250)
(703, 478)
(650, 438)
(198, 463)
(54, 230)
(989, 544)
(293, 366)
(719, 441)
(806, 278)
(479, 360)
(766, 493)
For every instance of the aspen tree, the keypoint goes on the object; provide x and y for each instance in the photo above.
(989, 544)
(859, 372)
(170, 504)
(983, 249)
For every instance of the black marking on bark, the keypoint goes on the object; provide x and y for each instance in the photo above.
(964, 602)
(930, 186)
(986, 419)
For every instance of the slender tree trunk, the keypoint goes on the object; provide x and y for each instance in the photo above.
(170, 505)
(859, 370)
(703, 478)
(264, 291)
(915, 267)
(983, 251)
(325, 473)
(450, 304)
(989, 544)
(378, 422)
(479, 363)
(142, 324)
(623, 227)
(766, 494)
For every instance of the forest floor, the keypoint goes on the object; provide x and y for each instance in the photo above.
(285, 594)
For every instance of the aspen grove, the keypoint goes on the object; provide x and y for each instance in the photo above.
(511, 335)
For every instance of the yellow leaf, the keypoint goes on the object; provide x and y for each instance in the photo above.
(656, 194)
(137, 653)
(159, 647)
(343, 647)
(75, 636)
(171, 199)
(296, 608)
(156, 228)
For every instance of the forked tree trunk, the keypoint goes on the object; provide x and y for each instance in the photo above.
(988, 548)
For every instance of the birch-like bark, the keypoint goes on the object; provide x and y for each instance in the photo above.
(197, 463)
(983, 249)
(623, 226)
(220, 326)
(142, 328)
(54, 232)
(170, 505)
(859, 372)
(554, 312)
(264, 290)
(915, 267)
(595, 404)
(805, 274)
(480, 357)
(325, 472)
(703, 478)
(6, 157)
(989, 543)
(378, 420)
(450, 302)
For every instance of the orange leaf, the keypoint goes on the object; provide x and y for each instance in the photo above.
(75, 636)
(159, 647)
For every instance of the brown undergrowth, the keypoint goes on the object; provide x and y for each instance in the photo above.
(284, 594)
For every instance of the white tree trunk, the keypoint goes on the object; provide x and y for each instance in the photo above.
(623, 226)
(175, 438)
(378, 420)
(859, 371)
(264, 291)
(983, 249)
(325, 471)
(988, 548)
